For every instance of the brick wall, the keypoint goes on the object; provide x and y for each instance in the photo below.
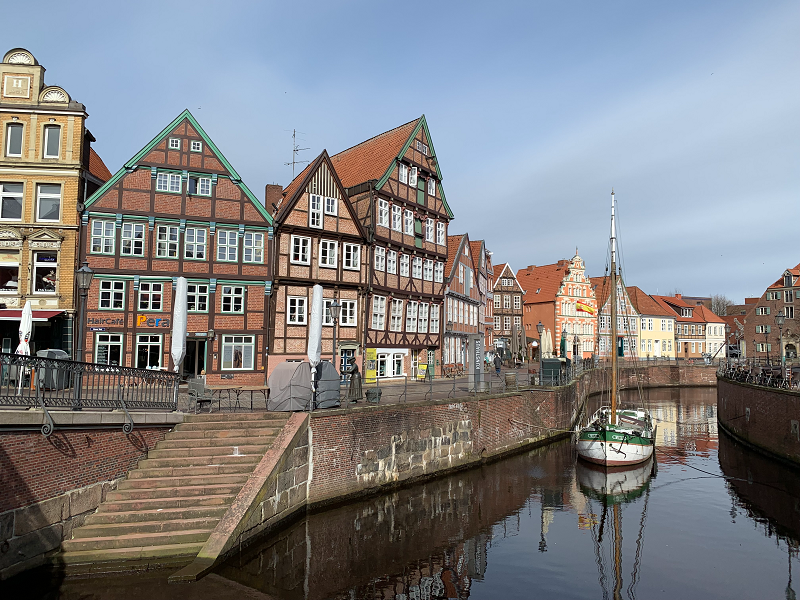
(766, 418)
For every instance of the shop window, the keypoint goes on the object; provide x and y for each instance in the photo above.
(45, 272)
(238, 352)
(148, 351)
(108, 349)
(9, 271)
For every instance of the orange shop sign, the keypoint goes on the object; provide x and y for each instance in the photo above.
(145, 321)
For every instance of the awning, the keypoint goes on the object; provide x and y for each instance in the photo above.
(12, 314)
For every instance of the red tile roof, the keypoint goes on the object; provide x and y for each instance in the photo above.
(370, 159)
(292, 188)
(669, 302)
(707, 315)
(97, 167)
(645, 305)
(546, 280)
(453, 244)
(795, 273)
(602, 288)
(475, 249)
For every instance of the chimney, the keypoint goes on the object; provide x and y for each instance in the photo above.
(531, 268)
(273, 195)
(678, 296)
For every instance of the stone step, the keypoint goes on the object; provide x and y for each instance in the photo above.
(174, 502)
(192, 480)
(182, 434)
(101, 530)
(212, 425)
(255, 440)
(212, 451)
(174, 492)
(126, 554)
(236, 416)
(228, 469)
(199, 461)
(134, 540)
(159, 514)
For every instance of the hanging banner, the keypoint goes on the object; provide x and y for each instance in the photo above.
(370, 365)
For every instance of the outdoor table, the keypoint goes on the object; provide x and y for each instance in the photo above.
(253, 389)
(235, 389)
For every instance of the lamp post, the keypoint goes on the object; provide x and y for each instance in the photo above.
(766, 342)
(335, 309)
(83, 279)
(779, 319)
(540, 329)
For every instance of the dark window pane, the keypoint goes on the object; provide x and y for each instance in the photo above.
(52, 140)
(14, 147)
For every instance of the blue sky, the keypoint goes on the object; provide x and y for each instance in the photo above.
(690, 110)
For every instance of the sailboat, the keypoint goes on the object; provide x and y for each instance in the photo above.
(615, 436)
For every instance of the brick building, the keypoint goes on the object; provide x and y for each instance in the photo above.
(462, 300)
(178, 208)
(394, 183)
(507, 300)
(47, 166)
(483, 268)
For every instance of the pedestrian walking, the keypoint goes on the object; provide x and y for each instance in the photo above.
(497, 363)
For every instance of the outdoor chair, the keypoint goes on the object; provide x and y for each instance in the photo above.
(199, 394)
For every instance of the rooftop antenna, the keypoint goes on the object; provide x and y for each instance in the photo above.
(295, 150)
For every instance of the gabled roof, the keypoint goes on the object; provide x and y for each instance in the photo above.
(541, 283)
(133, 163)
(477, 250)
(97, 167)
(602, 290)
(645, 305)
(500, 269)
(454, 244)
(295, 185)
(795, 273)
(708, 316)
(673, 303)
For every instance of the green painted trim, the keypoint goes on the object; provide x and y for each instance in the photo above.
(260, 282)
(99, 215)
(112, 276)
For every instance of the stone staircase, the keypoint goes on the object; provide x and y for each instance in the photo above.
(168, 506)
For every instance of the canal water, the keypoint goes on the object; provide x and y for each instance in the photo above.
(709, 519)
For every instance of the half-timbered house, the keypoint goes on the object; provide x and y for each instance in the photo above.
(462, 301)
(394, 183)
(318, 240)
(507, 297)
(178, 208)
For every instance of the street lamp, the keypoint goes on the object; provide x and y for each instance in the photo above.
(83, 279)
(540, 329)
(335, 309)
(766, 342)
(779, 319)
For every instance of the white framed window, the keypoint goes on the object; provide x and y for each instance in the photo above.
(227, 245)
(789, 312)
(132, 243)
(429, 229)
(301, 250)
(9, 271)
(195, 243)
(422, 323)
(434, 318)
(48, 202)
(296, 310)
(378, 312)
(517, 323)
(440, 234)
(238, 352)
(253, 247)
(496, 300)
(150, 295)
(380, 259)
(52, 141)
(416, 268)
(431, 186)
(383, 212)
(438, 272)
(397, 218)
(396, 316)
(427, 272)
(315, 211)
(197, 146)
(506, 301)
(197, 295)
(391, 262)
(352, 256)
(199, 186)
(517, 302)
(506, 323)
(167, 241)
(45, 272)
(402, 173)
(112, 295)
(102, 237)
(232, 299)
(408, 223)
(327, 316)
(412, 177)
(328, 249)
(497, 323)
(14, 139)
(174, 143)
(108, 349)
(168, 182)
(347, 316)
(411, 316)
(331, 206)
(11, 195)
(404, 260)
(762, 310)
(148, 351)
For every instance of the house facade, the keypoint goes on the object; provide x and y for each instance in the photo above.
(690, 326)
(47, 167)
(178, 208)
(483, 267)
(627, 340)
(394, 183)
(507, 300)
(656, 326)
(462, 301)
(318, 240)
(761, 337)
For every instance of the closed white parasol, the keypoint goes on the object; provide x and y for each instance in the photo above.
(25, 328)
(315, 333)
(179, 318)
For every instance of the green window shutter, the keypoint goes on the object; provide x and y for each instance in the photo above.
(417, 226)
(418, 242)
(420, 191)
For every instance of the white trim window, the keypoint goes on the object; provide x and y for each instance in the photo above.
(150, 295)
(232, 299)
(422, 324)
(427, 272)
(517, 323)
(197, 146)
(402, 173)
(48, 202)
(167, 237)
(517, 302)
(383, 212)
(429, 229)
(396, 318)
(378, 312)
(404, 260)
(14, 137)
(52, 141)
(408, 223)
(434, 318)
(227, 245)
(253, 251)
(168, 182)
(352, 256)
(506, 301)
(438, 272)
(112, 295)
(347, 316)
(391, 262)
(496, 300)
(506, 323)
(108, 349)
(397, 218)
(296, 312)
(12, 199)
(497, 323)
(380, 259)
(416, 268)
(102, 237)
(174, 143)
(132, 243)
(198, 186)
(431, 186)
(197, 297)
(328, 249)
(148, 351)
(315, 211)
(331, 206)
(440, 234)
(412, 177)
(195, 243)
(238, 352)
(411, 316)
(327, 315)
(301, 254)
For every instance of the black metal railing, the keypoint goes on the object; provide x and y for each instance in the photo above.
(757, 372)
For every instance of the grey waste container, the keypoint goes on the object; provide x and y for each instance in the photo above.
(50, 378)
(374, 395)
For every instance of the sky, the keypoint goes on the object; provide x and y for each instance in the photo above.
(689, 110)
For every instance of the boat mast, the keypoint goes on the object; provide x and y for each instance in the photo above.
(613, 313)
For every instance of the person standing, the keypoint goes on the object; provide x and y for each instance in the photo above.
(497, 363)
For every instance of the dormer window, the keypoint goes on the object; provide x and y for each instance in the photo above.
(787, 280)
(197, 146)
(174, 144)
